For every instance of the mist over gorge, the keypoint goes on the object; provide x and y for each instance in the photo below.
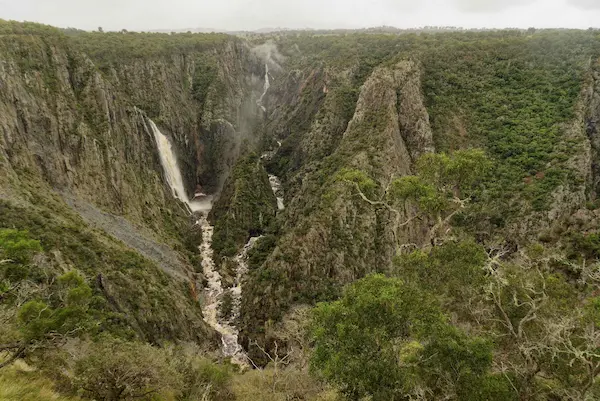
(412, 214)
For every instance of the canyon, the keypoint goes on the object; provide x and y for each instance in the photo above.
(209, 188)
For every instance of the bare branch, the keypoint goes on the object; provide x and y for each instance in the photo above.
(16, 355)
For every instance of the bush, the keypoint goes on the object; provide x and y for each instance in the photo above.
(387, 339)
(281, 385)
(204, 380)
(26, 385)
(114, 370)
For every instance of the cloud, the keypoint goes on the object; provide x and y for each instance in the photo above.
(479, 6)
(257, 14)
(400, 5)
(585, 4)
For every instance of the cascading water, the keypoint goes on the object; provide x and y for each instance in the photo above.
(266, 87)
(277, 190)
(214, 293)
(274, 181)
(168, 159)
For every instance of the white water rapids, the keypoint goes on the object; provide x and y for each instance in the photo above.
(214, 293)
(277, 190)
(201, 205)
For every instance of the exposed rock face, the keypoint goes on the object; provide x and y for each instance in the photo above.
(67, 126)
(77, 134)
(342, 238)
(86, 132)
(591, 95)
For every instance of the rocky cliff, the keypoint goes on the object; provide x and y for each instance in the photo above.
(77, 142)
(336, 236)
(76, 123)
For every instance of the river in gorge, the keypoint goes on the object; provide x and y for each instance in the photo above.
(214, 293)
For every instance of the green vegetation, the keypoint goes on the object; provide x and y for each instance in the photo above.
(120, 371)
(131, 296)
(204, 75)
(389, 340)
(246, 209)
(514, 94)
(28, 28)
(24, 385)
(426, 274)
(510, 92)
(110, 48)
(525, 341)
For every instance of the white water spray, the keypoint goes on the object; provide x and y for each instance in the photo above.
(266, 87)
(277, 190)
(168, 159)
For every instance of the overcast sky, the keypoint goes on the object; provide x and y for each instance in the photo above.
(255, 14)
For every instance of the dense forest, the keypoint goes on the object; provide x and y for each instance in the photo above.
(440, 237)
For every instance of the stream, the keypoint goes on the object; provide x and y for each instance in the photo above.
(200, 207)
(214, 294)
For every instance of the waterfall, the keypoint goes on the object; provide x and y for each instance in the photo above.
(266, 88)
(277, 190)
(214, 293)
(274, 181)
(168, 160)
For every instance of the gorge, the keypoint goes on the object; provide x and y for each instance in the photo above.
(414, 215)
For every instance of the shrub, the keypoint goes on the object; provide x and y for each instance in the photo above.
(114, 370)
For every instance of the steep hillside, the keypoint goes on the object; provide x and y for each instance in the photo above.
(77, 139)
(437, 219)
(375, 103)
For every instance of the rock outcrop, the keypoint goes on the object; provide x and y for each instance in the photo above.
(342, 237)
(76, 125)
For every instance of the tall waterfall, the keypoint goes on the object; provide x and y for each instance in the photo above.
(214, 293)
(168, 159)
(266, 88)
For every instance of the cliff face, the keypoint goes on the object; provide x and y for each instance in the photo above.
(75, 121)
(337, 237)
(72, 128)
(205, 100)
(591, 121)
(66, 124)
(247, 208)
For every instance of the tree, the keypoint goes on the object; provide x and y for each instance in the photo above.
(441, 189)
(389, 340)
(41, 310)
(16, 253)
(545, 331)
(114, 370)
(43, 323)
(453, 271)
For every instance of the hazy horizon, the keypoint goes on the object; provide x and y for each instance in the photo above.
(250, 15)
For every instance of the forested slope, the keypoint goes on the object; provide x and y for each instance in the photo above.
(440, 237)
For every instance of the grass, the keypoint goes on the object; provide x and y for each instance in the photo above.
(281, 385)
(20, 383)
